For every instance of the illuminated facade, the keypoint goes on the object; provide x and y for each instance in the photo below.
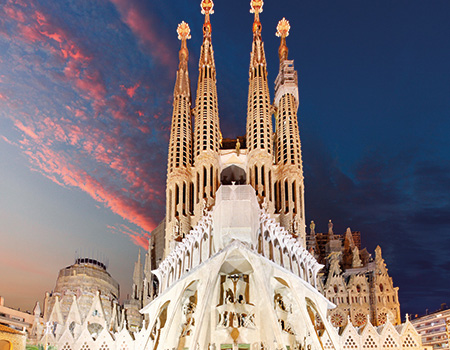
(235, 272)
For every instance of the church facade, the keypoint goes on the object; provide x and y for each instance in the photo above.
(235, 270)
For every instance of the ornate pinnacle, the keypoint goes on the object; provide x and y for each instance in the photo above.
(183, 30)
(283, 28)
(207, 7)
(184, 33)
(283, 31)
(256, 7)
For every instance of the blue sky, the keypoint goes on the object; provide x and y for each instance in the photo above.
(85, 106)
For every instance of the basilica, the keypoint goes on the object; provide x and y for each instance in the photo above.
(232, 265)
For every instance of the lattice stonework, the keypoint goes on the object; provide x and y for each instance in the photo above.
(409, 342)
(104, 346)
(369, 343)
(85, 346)
(350, 343)
(329, 345)
(389, 342)
(66, 347)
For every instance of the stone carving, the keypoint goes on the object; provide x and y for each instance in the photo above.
(306, 265)
(312, 227)
(356, 262)
(330, 228)
(234, 289)
(188, 309)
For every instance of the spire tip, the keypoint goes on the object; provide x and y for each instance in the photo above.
(183, 30)
(283, 28)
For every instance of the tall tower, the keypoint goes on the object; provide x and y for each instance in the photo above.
(179, 203)
(259, 117)
(207, 132)
(289, 187)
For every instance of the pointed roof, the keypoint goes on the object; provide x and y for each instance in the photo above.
(207, 54)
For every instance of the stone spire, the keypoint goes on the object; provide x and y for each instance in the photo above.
(289, 179)
(137, 279)
(207, 130)
(259, 117)
(180, 147)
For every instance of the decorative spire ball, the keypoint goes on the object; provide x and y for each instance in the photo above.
(283, 31)
(184, 33)
(283, 28)
(183, 30)
(207, 7)
(256, 7)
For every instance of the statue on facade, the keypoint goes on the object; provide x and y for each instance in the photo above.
(330, 228)
(238, 147)
(188, 310)
(312, 228)
(356, 261)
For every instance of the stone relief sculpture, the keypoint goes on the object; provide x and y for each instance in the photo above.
(188, 310)
(235, 310)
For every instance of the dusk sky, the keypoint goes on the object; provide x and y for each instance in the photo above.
(85, 108)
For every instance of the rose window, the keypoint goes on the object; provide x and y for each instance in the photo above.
(360, 319)
(337, 320)
(382, 318)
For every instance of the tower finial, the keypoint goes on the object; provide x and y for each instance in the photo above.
(256, 7)
(283, 31)
(184, 33)
(207, 7)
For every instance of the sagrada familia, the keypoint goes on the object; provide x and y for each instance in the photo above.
(232, 266)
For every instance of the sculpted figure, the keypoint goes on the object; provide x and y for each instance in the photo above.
(312, 227)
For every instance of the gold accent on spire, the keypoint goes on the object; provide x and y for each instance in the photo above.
(283, 28)
(283, 31)
(184, 33)
(207, 7)
(256, 7)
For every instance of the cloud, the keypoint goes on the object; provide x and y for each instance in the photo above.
(398, 200)
(140, 238)
(144, 25)
(78, 128)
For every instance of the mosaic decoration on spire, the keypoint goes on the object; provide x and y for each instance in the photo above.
(183, 30)
(256, 7)
(283, 31)
(207, 7)
(283, 28)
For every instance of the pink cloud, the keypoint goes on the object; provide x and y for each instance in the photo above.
(139, 238)
(91, 143)
(132, 90)
(14, 13)
(143, 26)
